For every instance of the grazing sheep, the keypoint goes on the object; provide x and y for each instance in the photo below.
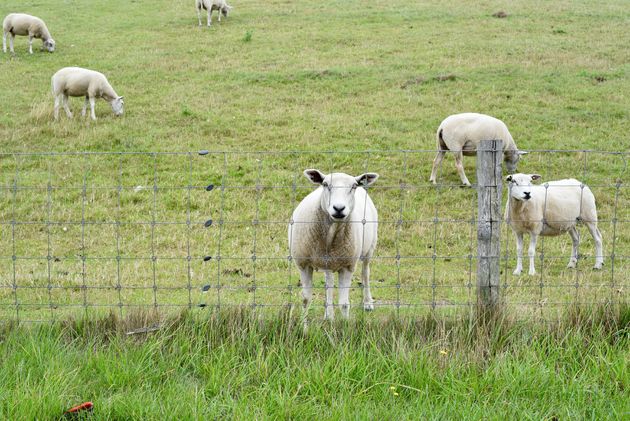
(211, 5)
(331, 229)
(22, 24)
(462, 133)
(549, 210)
(76, 81)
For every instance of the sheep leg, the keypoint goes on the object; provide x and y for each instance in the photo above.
(436, 163)
(597, 237)
(345, 280)
(531, 252)
(460, 168)
(85, 104)
(57, 104)
(575, 238)
(11, 38)
(368, 301)
(306, 279)
(519, 253)
(66, 106)
(219, 15)
(199, 15)
(92, 113)
(4, 42)
(30, 44)
(329, 313)
(209, 16)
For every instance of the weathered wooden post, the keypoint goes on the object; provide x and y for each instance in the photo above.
(489, 186)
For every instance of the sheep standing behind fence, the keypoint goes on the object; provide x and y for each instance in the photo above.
(462, 133)
(550, 210)
(331, 229)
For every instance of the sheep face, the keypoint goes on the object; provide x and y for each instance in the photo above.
(49, 45)
(520, 186)
(225, 10)
(338, 190)
(117, 106)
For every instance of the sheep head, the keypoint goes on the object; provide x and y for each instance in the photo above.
(338, 190)
(519, 186)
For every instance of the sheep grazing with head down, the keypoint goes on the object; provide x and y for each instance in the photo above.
(549, 210)
(462, 133)
(76, 81)
(27, 25)
(331, 229)
(210, 5)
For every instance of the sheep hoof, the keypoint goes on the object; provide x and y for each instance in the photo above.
(517, 272)
(571, 265)
(598, 266)
(532, 272)
(368, 307)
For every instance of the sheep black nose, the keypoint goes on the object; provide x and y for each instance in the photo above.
(339, 209)
(527, 195)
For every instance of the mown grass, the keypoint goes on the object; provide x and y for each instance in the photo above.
(232, 364)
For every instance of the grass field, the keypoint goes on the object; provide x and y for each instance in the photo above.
(276, 88)
(234, 366)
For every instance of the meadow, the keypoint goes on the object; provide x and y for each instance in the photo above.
(109, 215)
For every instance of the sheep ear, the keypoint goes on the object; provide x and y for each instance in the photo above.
(121, 97)
(367, 179)
(315, 176)
(508, 178)
(522, 153)
(536, 177)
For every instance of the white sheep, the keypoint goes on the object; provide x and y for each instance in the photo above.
(76, 81)
(23, 24)
(462, 133)
(331, 229)
(549, 210)
(209, 5)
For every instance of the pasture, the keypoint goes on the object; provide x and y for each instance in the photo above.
(278, 87)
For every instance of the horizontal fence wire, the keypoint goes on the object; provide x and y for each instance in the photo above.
(88, 233)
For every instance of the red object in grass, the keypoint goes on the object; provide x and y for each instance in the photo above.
(86, 406)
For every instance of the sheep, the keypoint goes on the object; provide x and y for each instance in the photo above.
(549, 210)
(76, 81)
(462, 133)
(23, 24)
(211, 5)
(331, 229)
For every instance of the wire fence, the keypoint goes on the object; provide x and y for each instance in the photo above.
(91, 233)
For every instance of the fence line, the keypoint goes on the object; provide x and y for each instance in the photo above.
(87, 232)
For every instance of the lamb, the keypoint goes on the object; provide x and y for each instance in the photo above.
(331, 229)
(462, 133)
(550, 210)
(211, 5)
(76, 81)
(23, 24)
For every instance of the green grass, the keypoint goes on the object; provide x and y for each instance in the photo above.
(233, 365)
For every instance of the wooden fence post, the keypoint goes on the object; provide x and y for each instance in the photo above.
(489, 186)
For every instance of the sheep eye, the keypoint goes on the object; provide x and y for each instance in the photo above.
(354, 186)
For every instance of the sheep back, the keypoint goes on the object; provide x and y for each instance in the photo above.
(465, 131)
(23, 24)
(76, 81)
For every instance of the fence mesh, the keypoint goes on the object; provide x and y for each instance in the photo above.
(90, 233)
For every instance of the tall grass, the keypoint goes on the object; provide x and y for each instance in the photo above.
(237, 364)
